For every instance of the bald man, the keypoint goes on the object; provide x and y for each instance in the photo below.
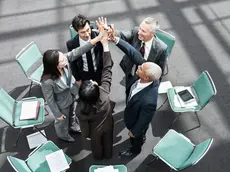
(142, 98)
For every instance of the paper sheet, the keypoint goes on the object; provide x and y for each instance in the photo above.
(36, 139)
(57, 161)
(164, 86)
(106, 169)
(29, 110)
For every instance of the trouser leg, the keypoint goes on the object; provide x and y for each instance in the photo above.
(73, 120)
(136, 144)
(96, 145)
(62, 126)
(107, 140)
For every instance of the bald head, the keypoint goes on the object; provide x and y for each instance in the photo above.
(149, 71)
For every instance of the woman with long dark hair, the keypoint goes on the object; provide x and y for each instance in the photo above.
(59, 86)
(94, 109)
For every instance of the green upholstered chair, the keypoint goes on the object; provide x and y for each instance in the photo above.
(169, 40)
(178, 152)
(11, 110)
(204, 90)
(121, 168)
(72, 32)
(36, 161)
(30, 61)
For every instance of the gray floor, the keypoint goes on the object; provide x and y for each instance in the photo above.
(202, 31)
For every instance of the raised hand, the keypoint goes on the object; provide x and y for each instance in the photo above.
(102, 23)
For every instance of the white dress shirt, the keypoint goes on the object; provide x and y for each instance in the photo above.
(84, 58)
(139, 87)
(148, 46)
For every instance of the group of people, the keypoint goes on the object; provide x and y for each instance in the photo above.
(84, 74)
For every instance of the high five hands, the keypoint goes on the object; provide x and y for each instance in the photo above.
(102, 25)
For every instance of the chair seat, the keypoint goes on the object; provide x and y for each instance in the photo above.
(37, 161)
(36, 75)
(171, 94)
(121, 168)
(22, 123)
(174, 149)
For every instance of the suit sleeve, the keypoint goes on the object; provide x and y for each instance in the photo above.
(78, 52)
(144, 119)
(126, 35)
(162, 60)
(131, 52)
(48, 93)
(106, 76)
(69, 45)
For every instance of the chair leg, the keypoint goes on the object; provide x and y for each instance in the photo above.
(167, 70)
(196, 126)
(16, 142)
(30, 88)
(162, 104)
(175, 120)
(147, 165)
(40, 132)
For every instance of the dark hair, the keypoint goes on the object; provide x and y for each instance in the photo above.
(50, 63)
(79, 22)
(89, 92)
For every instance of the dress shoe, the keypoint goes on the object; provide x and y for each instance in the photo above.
(75, 128)
(126, 153)
(70, 139)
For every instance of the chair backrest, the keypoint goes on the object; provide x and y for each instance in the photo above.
(6, 106)
(198, 153)
(167, 38)
(72, 32)
(18, 164)
(204, 88)
(28, 56)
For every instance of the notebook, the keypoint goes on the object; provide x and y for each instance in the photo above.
(29, 110)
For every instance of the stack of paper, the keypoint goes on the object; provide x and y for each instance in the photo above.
(29, 110)
(106, 169)
(57, 161)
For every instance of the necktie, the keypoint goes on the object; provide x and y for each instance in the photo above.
(90, 61)
(132, 88)
(142, 51)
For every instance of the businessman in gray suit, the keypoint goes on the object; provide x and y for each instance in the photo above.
(144, 39)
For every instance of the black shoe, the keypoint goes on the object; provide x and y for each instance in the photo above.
(126, 153)
(75, 129)
(70, 139)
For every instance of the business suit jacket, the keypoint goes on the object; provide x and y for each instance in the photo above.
(77, 65)
(58, 96)
(102, 120)
(142, 106)
(158, 53)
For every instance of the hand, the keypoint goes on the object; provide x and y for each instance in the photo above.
(104, 36)
(112, 33)
(102, 24)
(131, 134)
(62, 117)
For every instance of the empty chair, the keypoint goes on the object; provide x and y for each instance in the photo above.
(36, 161)
(178, 152)
(204, 90)
(11, 110)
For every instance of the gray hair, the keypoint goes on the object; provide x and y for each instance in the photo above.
(153, 71)
(153, 22)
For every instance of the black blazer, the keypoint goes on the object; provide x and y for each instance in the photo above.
(142, 106)
(77, 65)
(157, 54)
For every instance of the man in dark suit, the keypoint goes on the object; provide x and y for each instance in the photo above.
(143, 39)
(142, 98)
(90, 65)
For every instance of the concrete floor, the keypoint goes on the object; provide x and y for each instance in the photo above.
(202, 31)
